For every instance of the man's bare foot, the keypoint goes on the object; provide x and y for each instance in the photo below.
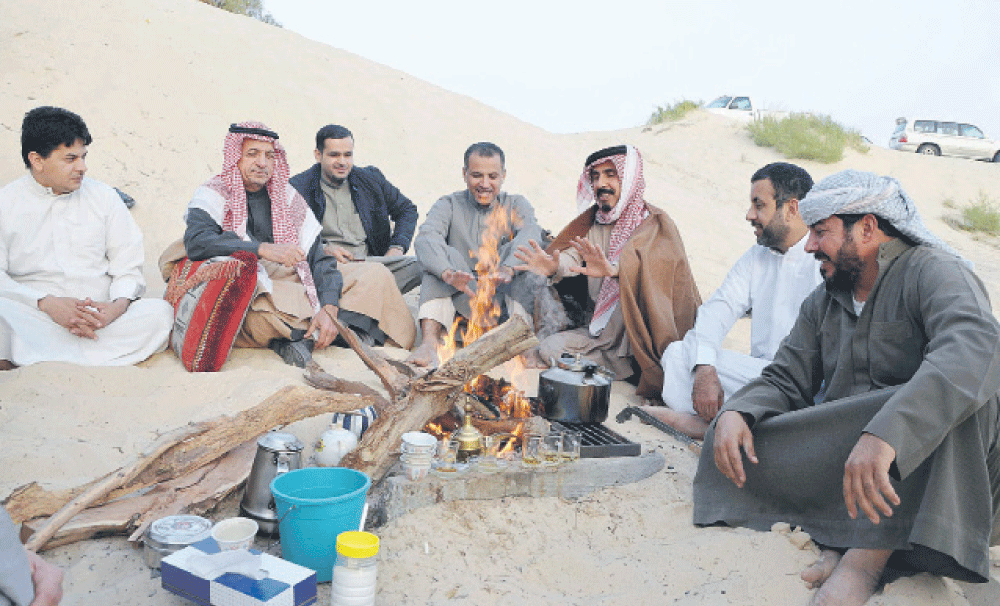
(820, 570)
(690, 425)
(854, 579)
(532, 359)
(7, 365)
(424, 355)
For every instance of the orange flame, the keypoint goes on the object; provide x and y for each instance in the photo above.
(436, 430)
(518, 434)
(485, 312)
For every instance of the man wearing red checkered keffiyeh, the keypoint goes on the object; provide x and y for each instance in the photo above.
(638, 282)
(250, 206)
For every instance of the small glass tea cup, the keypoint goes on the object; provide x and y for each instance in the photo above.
(550, 449)
(448, 455)
(492, 459)
(531, 450)
(571, 442)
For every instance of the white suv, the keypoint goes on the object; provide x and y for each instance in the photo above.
(935, 138)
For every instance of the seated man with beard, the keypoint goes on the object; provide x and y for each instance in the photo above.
(769, 281)
(250, 206)
(637, 282)
(898, 465)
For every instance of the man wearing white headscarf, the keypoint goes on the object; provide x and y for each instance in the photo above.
(250, 206)
(641, 293)
(898, 467)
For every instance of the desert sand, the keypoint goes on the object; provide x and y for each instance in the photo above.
(159, 81)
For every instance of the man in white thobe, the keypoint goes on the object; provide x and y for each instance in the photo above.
(71, 259)
(769, 281)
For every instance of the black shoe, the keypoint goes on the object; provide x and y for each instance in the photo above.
(296, 353)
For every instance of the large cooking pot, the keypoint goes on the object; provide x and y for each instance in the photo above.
(575, 390)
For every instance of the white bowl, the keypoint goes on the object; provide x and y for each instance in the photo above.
(418, 441)
(234, 533)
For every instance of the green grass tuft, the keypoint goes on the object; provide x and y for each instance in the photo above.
(806, 136)
(672, 113)
(982, 215)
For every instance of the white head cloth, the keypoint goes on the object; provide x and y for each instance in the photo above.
(853, 192)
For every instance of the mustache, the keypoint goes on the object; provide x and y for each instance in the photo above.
(822, 257)
(604, 190)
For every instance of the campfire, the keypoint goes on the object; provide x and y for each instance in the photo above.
(501, 408)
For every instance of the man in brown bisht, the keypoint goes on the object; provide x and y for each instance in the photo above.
(630, 268)
(897, 469)
(250, 206)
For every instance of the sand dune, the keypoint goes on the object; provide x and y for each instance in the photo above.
(158, 82)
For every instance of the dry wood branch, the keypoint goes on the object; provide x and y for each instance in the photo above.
(203, 442)
(105, 485)
(395, 377)
(431, 395)
(318, 378)
(195, 493)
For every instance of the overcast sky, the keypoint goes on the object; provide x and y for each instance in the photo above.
(586, 65)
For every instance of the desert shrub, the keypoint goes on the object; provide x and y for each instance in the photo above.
(806, 136)
(982, 215)
(673, 112)
(250, 8)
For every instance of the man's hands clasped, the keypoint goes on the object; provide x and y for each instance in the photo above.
(82, 317)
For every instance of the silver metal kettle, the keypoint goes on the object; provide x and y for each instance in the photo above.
(575, 390)
(277, 453)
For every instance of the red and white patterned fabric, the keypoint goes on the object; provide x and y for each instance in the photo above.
(287, 214)
(630, 211)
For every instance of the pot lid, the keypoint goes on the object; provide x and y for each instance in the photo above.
(277, 442)
(178, 530)
(588, 378)
(574, 362)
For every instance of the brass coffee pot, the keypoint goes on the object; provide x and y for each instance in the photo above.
(470, 439)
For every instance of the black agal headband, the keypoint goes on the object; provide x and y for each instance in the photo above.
(607, 152)
(252, 130)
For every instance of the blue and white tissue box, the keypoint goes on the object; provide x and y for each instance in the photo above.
(286, 584)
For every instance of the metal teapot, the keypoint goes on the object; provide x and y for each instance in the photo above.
(575, 390)
(277, 453)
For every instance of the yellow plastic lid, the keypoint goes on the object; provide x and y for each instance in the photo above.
(355, 544)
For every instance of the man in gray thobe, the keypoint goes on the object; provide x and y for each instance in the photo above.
(467, 242)
(903, 340)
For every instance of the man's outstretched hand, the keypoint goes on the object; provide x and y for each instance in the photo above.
(732, 438)
(534, 259)
(460, 280)
(866, 479)
(595, 263)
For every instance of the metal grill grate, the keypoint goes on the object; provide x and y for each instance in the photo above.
(597, 441)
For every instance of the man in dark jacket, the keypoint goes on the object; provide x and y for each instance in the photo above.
(367, 226)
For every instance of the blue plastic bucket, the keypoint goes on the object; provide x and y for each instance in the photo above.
(314, 505)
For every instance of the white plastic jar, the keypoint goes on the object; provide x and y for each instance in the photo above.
(355, 570)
